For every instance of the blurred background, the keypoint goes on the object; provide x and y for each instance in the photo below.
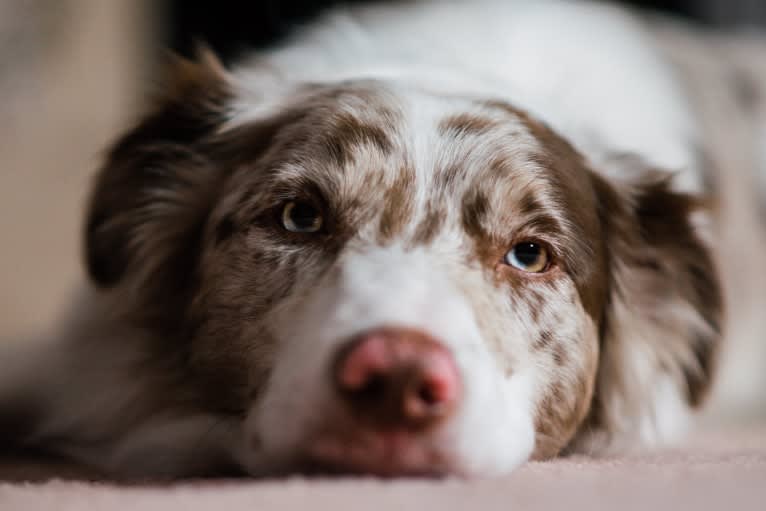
(73, 74)
(232, 25)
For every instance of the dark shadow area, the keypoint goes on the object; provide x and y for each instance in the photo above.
(233, 26)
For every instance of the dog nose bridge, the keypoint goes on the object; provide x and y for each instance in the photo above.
(412, 275)
(396, 286)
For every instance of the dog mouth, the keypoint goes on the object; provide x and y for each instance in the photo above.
(385, 454)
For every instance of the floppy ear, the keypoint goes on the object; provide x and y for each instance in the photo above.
(662, 324)
(151, 197)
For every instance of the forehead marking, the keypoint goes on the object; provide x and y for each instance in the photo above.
(462, 124)
(448, 176)
(399, 204)
(430, 224)
(348, 133)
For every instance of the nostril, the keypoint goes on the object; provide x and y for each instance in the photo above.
(427, 395)
(430, 397)
(421, 404)
(373, 389)
(362, 364)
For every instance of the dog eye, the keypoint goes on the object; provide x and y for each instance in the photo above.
(301, 217)
(529, 257)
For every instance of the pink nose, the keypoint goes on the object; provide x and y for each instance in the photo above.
(395, 379)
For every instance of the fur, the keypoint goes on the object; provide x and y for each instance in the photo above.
(203, 342)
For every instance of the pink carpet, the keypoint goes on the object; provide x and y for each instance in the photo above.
(720, 471)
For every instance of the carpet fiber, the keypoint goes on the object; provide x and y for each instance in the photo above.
(714, 471)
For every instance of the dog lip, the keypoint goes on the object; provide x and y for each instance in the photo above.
(380, 453)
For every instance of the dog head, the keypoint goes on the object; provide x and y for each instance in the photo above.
(381, 279)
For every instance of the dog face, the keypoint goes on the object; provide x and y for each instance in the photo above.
(380, 279)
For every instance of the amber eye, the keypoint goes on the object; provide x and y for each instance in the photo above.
(301, 217)
(529, 257)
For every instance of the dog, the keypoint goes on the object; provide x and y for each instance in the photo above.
(429, 238)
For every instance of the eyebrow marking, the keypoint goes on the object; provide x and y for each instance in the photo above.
(474, 213)
(529, 204)
(348, 133)
(464, 124)
(543, 223)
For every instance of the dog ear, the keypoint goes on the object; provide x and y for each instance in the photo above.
(662, 324)
(151, 197)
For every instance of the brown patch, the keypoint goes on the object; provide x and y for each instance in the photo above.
(130, 231)
(529, 205)
(448, 176)
(535, 313)
(429, 226)
(560, 412)
(558, 392)
(184, 76)
(474, 213)
(535, 301)
(685, 264)
(398, 205)
(699, 377)
(543, 341)
(152, 156)
(559, 354)
(537, 128)
(349, 133)
(464, 124)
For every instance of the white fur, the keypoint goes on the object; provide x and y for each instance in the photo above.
(587, 69)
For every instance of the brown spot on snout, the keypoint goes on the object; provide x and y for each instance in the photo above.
(559, 413)
(559, 355)
(543, 341)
